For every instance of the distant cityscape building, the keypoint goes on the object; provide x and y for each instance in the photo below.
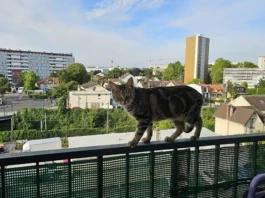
(162, 66)
(12, 62)
(239, 75)
(197, 57)
(261, 62)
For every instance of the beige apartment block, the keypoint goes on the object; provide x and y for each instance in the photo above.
(197, 57)
(91, 95)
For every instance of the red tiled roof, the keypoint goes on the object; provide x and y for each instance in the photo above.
(55, 80)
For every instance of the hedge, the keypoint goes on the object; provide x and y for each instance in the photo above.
(5, 136)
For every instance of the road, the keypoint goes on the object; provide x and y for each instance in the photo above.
(15, 102)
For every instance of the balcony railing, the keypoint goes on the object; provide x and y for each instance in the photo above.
(211, 167)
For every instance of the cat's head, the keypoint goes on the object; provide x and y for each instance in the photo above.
(123, 94)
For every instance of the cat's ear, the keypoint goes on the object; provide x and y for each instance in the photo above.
(130, 83)
(112, 85)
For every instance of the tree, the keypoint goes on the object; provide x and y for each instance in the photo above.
(2, 75)
(195, 81)
(74, 72)
(261, 83)
(218, 68)
(246, 64)
(174, 71)
(59, 91)
(62, 103)
(147, 72)
(30, 79)
(72, 85)
(54, 74)
(159, 75)
(96, 72)
(4, 85)
(115, 73)
(245, 84)
(21, 77)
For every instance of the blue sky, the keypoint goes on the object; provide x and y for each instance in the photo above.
(132, 31)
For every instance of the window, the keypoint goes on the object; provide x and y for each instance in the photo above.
(251, 123)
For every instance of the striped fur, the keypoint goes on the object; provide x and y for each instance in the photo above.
(179, 104)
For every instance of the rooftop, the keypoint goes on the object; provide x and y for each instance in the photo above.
(34, 52)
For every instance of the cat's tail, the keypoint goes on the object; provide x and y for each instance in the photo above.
(188, 128)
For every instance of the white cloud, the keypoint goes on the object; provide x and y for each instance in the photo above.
(229, 25)
(47, 26)
(120, 10)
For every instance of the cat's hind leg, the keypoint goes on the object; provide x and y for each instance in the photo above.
(141, 127)
(179, 129)
(149, 132)
(188, 128)
(198, 125)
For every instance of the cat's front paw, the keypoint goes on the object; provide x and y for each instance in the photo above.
(169, 139)
(193, 138)
(146, 140)
(132, 144)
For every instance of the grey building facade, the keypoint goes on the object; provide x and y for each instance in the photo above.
(12, 62)
(240, 75)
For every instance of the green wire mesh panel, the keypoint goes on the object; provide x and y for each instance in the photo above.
(20, 182)
(206, 172)
(162, 174)
(145, 174)
(84, 178)
(139, 175)
(54, 180)
(180, 178)
(226, 172)
(114, 177)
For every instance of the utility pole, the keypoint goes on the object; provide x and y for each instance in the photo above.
(45, 122)
(12, 135)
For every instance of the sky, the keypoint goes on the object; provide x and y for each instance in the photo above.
(131, 32)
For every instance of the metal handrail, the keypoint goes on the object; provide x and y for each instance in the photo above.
(99, 151)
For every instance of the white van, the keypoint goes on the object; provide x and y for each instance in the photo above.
(20, 90)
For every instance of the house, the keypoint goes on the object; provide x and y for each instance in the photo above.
(48, 83)
(173, 83)
(238, 89)
(89, 95)
(125, 77)
(245, 114)
(217, 91)
(105, 83)
(149, 84)
(203, 89)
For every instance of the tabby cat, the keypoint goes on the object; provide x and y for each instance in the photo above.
(179, 104)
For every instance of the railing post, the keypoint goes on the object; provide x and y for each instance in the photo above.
(70, 177)
(38, 178)
(127, 175)
(196, 172)
(152, 172)
(100, 176)
(236, 149)
(216, 168)
(174, 176)
(255, 150)
(3, 181)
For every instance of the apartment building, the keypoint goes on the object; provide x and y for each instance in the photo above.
(261, 62)
(197, 57)
(239, 75)
(12, 62)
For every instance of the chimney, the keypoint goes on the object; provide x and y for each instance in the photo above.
(157, 134)
(228, 111)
